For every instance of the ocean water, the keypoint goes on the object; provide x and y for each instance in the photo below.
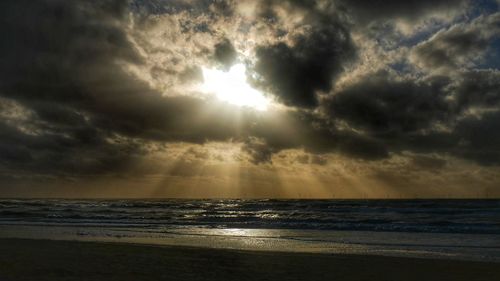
(435, 216)
(464, 229)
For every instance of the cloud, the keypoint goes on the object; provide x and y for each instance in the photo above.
(480, 138)
(319, 160)
(87, 113)
(303, 129)
(366, 12)
(428, 162)
(461, 46)
(314, 159)
(477, 89)
(92, 87)
(434, 114)
(296, 71)
(258, 150)
(155, 7)
(382, 104)
(225, 54)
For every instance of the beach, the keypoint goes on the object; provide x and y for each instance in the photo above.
(30, 259)
(249, 240)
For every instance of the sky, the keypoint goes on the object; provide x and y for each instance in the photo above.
(250, 98)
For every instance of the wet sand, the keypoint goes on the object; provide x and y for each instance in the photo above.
(26, 259)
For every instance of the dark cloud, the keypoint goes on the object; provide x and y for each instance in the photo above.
(296, 72)
(362, 147)
(427, 141)
(85, 152)
(317, 136)
(52, 68)
(258, 150)
(410, 114)
(384, 105)
(225, 54)
(480, 138)
(478, 88)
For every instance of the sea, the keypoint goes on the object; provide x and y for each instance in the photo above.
(450, 229)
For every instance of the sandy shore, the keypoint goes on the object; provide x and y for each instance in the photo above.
(24, 259)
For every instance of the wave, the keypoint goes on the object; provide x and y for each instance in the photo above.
(445, 216)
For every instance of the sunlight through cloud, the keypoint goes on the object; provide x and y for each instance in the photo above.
(232, 87)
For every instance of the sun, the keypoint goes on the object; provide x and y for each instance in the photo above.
(232, 87)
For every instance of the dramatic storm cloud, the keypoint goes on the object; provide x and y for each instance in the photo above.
(146, 98)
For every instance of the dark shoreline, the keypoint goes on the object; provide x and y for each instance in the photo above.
(26, 259)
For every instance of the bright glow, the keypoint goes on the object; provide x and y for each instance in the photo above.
(232, 87)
